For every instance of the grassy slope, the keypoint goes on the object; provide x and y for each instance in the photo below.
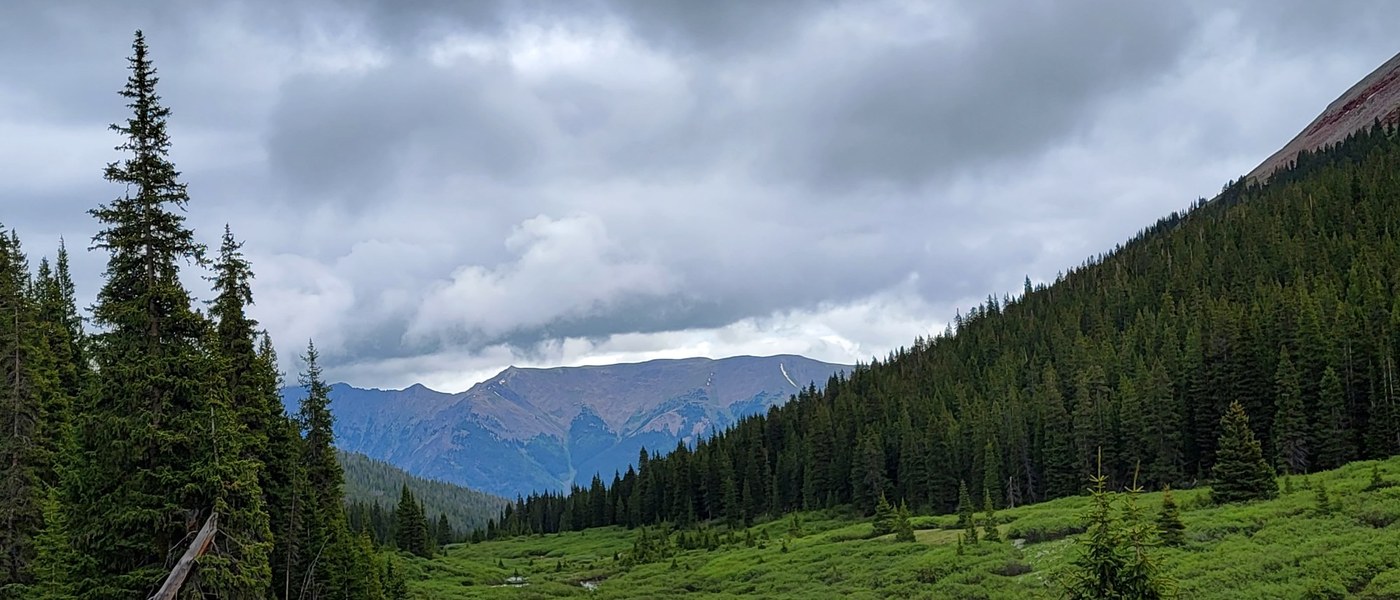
(1283, 548)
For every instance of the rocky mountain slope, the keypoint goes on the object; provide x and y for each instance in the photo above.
(1375, 98)
(545, 429)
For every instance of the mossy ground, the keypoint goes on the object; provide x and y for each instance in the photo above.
(1283, 548)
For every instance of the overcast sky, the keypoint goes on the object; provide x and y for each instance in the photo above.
(436, 190)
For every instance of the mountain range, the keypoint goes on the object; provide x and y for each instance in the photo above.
(529, 429)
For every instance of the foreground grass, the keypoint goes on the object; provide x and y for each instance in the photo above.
(1284, 548)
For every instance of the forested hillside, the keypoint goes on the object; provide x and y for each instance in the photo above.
(370, 482)
(1281, 297)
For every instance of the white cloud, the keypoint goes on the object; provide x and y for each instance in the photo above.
(843, 334)
(566, 268)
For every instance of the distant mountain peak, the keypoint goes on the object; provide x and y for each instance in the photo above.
(527, 428)
(1375, 98)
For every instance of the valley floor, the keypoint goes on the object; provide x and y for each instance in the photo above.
(1283, 548)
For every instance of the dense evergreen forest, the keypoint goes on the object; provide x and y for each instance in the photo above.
(120, 444)
(1280, 297)
(373, 490)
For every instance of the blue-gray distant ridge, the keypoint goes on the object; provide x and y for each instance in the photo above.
(530, 430)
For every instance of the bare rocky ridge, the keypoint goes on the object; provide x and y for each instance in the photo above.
(1375, 97)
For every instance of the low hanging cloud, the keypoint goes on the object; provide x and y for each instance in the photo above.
(435, 190)
(565, 269)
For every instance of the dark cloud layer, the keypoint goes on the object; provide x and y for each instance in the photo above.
(435, 189)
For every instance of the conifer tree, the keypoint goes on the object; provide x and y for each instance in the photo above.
(444, 531)
(1383, 420)
(884, 521)
(286, 489)
(1061, 474)
(328, 552)
(1241, 473)
(991, 470)
(903, 529)
(26, 378)
(362, 580)
(411, 526)
(158, 450)
(1162, 442)
(1377, 481)
(965, 514)
(1169, 525)
(395, 584)
(54, 555)
(1322, 499)
(794, 527)
(62, 333)
(733, 508)
(1331, 433)
(58, 308)
(1092, 435)
(245, 379)
(868, 481)
(238, 338)
(964, 506)
(1290, 422)
(1116, 559)
(989, 524)
(1141, 575)
(1095, 572)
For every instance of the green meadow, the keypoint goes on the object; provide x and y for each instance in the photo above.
(1295, 546)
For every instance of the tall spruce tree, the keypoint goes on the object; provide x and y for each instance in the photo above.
(411, 525)
(1290, 421)
(325, 530)
(332, 559)
(1333, 438)
(238, 338)
(445, 534)
(158, 450)
(1241, 473)
(285, 476)
(26, 379)
(1162, 443)
(61, 329)
(58, 309)
(243, 377)
(1061, 474)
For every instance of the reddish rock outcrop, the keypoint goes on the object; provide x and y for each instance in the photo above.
(1377, 96)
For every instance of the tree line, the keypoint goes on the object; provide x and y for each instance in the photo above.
(405, 526)
(370, 482)
(1281, 297)
(120, 443)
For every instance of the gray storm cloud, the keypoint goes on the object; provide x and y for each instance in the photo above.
(433, 190)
